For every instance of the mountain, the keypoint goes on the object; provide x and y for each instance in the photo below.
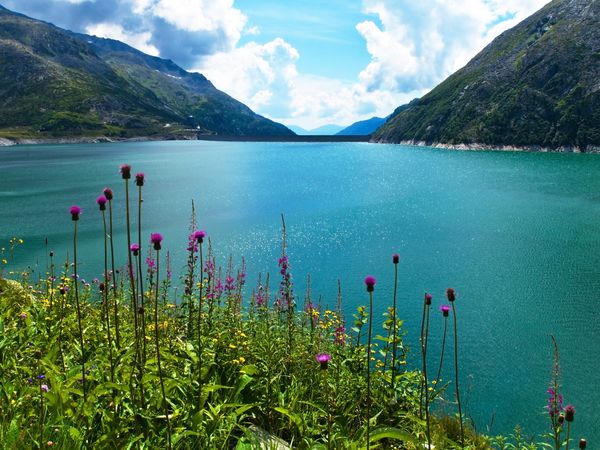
(363, 127)
(57, 83)
(536, 85)
(325, 130)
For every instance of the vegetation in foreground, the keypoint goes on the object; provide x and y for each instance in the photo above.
(125, 362)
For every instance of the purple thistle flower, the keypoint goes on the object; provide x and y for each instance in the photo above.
(450, 294)
(199, 236)
(125, 170)
(428, 298)
(139, 179)
(395, 258)
(75, 211)
(108, 193)
(569, 413)
(101, 200)
(445, 309)
(23, 316)
(156, 239)
(44, 388)
(323, 359)
(370, 282)
(134, 248)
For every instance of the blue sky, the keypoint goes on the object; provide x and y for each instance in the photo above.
(301, 62)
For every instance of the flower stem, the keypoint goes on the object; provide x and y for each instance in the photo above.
(369, 370)
(114, 275)
(142, 311)
(462, 433)
(394, 332)
(76, 283)
(158, 360)
(425, 379)
(437, 377)
(200, 329)
(105, 301)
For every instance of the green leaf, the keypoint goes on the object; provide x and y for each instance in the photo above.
(392, 433)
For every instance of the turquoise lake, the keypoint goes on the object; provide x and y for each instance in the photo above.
(517, 235)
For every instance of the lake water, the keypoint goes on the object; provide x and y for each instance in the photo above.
(516, 234)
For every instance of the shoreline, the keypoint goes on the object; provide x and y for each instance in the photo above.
(6, 142)
(487, 147)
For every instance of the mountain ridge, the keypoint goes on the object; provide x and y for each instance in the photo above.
(534, 87)
(55, 83)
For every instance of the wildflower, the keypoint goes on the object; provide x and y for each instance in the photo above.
(323, 359)
(569, 413)
(44, 388)
(23, 316)
(139, 179)
(582, 443)
(49, 443)
(41, 377)
(445, 309)
(125, 170)
(450, 294)
(340, 335)
(199, 236)
(370, 282)
(75, 211)
(101, 200)
(108, 193)
(156, 239)
(428, 298)
(135, 249)
(30, 380)
(555, 402)
(395, 258)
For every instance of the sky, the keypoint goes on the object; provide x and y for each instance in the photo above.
(301, 62)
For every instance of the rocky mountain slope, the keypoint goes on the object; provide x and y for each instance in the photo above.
(536, 86)
(57, 83)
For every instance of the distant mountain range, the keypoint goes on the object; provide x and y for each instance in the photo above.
(363, 127)
(325, 130)
(535, 86)
(57, 83)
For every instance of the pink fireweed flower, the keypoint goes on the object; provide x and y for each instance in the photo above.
(445, 309)
(340, 335)
(139, 179)
(101, 200)
(75, 212)
(156, 239)
(395, 258)
(108, 193)
(125, 170)
(323, 359)
(370, 282)
(134, 248)
(555, 402)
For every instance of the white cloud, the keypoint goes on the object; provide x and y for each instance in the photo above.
(259, 75)
(418, 44)
(141, 41)
(217, 17)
